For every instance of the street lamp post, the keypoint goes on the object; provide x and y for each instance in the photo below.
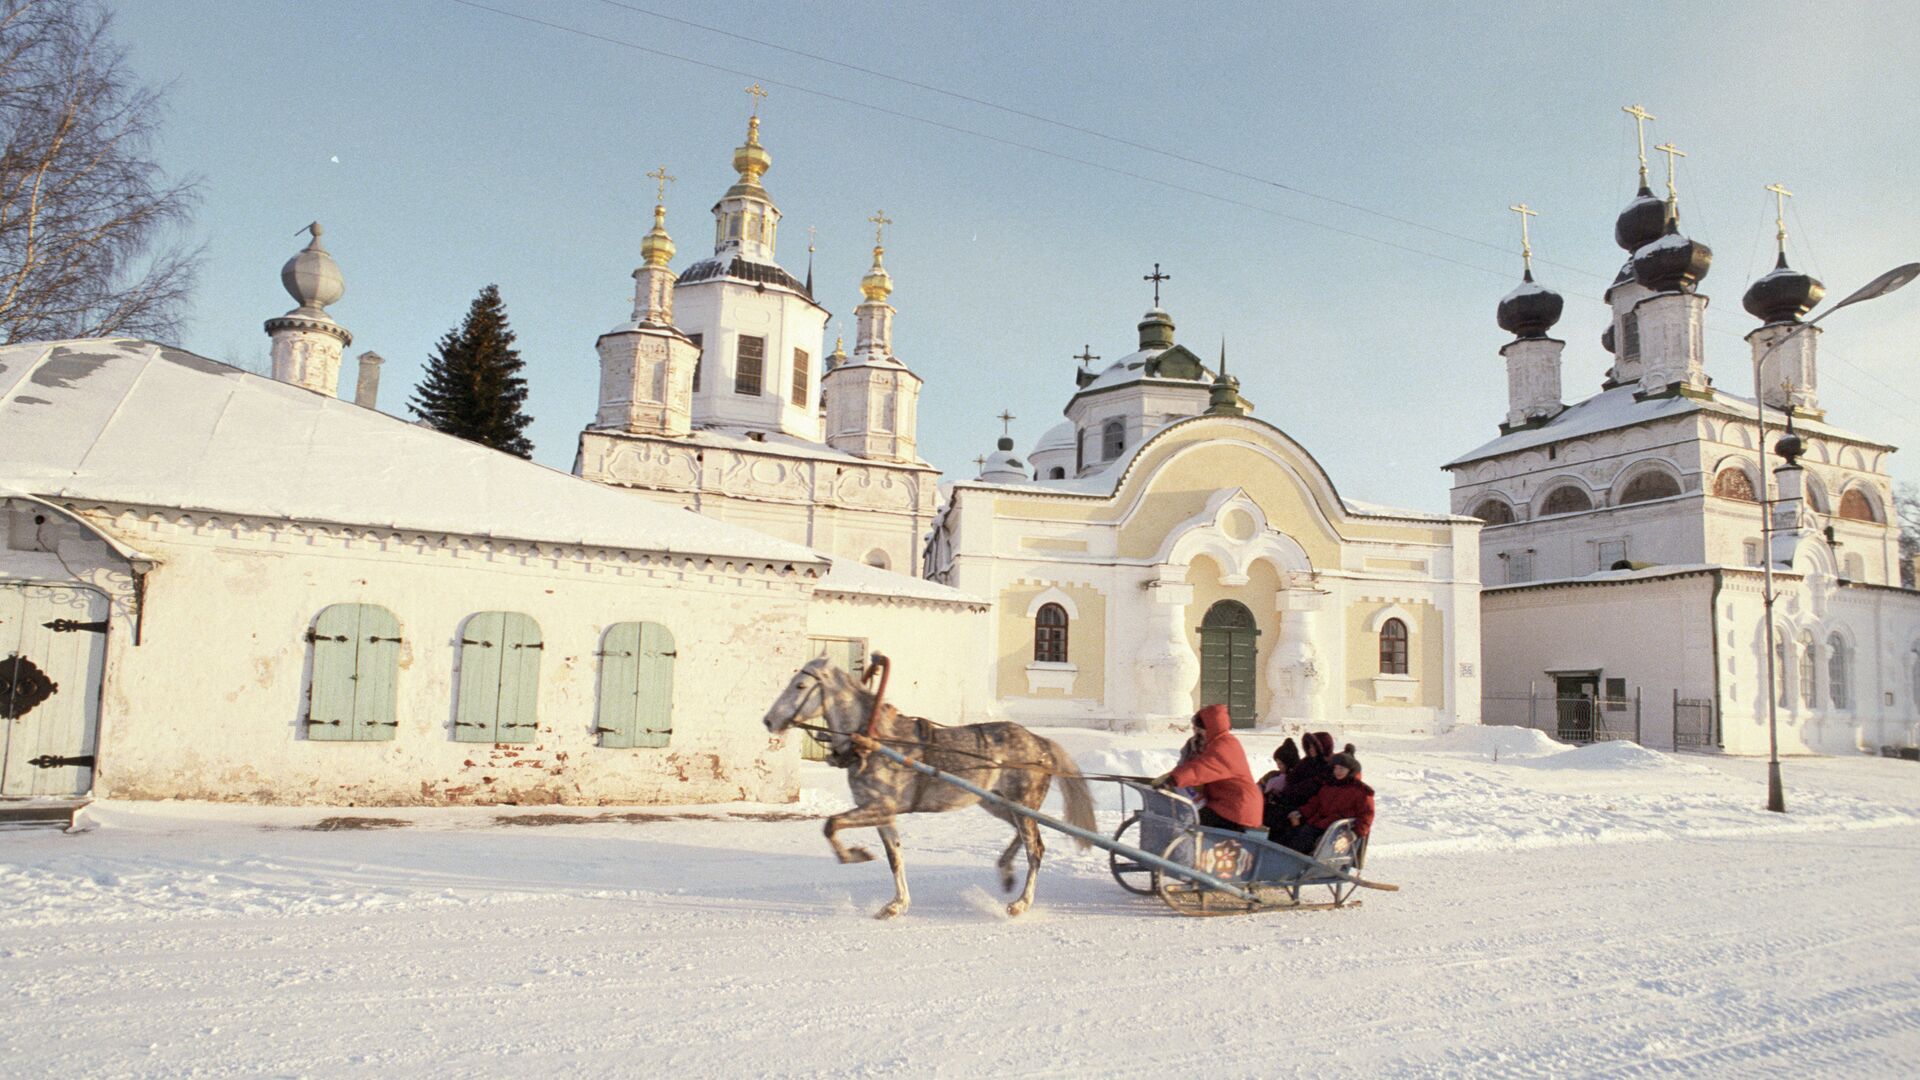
(1880, 286)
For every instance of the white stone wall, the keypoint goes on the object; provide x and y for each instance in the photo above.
(1144, 407)
(938, 650)
(720, 311)
(210, 704)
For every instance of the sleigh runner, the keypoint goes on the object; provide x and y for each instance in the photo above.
(1194, 869)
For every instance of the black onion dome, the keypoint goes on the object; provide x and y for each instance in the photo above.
(1530, 310)
(1672, 263)
(1641, 222)
(1783, 294)
(1606, 338)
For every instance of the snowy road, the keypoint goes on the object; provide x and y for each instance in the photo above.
(230, 941)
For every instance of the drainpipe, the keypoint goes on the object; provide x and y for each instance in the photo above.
(1713, 626)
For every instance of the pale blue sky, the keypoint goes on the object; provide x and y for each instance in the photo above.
(474, 148)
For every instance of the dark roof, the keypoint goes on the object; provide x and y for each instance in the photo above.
(742, 270)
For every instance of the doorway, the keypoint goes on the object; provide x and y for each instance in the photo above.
(1575, 695)
(53, 649)
(1227, 673)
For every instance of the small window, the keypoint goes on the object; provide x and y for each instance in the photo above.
(878, 560)
(1494, 512)
(800, 374)
(1519, 566)
(1855, 506)
(1839, 673)
(1734, 483)
(1630, 337)
(1393, 647)
(356, 665)
(749, 364)
(1080, 451)
(1050, 634)
(1610, 554)
(695, 338)
(1113, 439)
(1616, 695)
(1809, 694)
(499, 678)
(1056, 473)
(1649, 485)
(1856, 567)
(1751, 551)
(733, 226)
(1566, 499)
(1780, 670)
(636, 686)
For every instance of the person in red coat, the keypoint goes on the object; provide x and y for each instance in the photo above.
(1220, 771)
(1344, 795)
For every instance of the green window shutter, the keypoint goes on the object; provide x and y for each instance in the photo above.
(619, 685)
(478, 711)
(654, 712)
(330, 708)
(376, 675)
(519, 679)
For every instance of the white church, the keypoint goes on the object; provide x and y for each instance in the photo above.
(1623, 549)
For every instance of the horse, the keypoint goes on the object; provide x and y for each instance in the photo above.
(1003, 758)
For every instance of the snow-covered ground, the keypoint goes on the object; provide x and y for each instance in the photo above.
(1596, 911)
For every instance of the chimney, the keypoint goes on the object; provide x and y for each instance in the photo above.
(366, 388)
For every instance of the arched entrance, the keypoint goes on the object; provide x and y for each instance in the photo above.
(1227, 660)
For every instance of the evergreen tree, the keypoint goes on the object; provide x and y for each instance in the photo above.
(473, 387)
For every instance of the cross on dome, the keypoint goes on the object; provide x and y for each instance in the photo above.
(1672, 152)
(1086, 355)
(1006, 419)
(880, 222)
(1780, 197)
(1640, 118)
(660, 174)
(1526, 244)
(758, 93)
(1156, 277)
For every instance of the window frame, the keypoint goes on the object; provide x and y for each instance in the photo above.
(699, 352)
(1051, 639)
(1394, 651)
(1113, 439)
(801, 373)
(741, 379)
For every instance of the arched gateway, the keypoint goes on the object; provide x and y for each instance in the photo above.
(1227, 667)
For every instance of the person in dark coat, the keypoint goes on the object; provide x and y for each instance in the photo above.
(1344, 795)
(1304, 779)
(1285, 757)
(1220, 771)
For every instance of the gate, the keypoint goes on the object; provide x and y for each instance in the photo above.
(1227, 636)
(53, 650)
(1693, 723)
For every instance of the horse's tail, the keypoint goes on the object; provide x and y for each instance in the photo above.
(1073, 791)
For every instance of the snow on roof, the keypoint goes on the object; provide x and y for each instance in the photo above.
(1621, 407)
(1614, 577)
(1132, 368)
(1058, 437)
(1373, 509)
(777, 443)
(127, 421)
(858, 579)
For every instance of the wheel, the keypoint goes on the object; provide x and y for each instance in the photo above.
(1135, 877)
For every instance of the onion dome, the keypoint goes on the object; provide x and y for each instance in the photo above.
(657, 248)
(1790, 446)
(878, 284)
(311, 277)
(1673, 263)
(1642, 222)
(751, 160)
(838, 357)
(1606, 338)
(1156, 330)
(1783, 294)
(1530, 310)
(1003, 465)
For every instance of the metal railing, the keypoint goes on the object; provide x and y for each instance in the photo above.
(1692, 723)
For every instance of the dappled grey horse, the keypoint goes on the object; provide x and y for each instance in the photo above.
(1003, 758)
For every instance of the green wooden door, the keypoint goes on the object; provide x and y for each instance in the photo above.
(847, 654)
(636, 686)
(1227, 660)
(53, 648)
(499, 678)
(356, 663)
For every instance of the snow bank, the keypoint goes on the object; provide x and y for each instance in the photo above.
(1490, 739)
(1611, 755)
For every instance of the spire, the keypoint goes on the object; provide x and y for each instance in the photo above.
(307, 343)
(1673, 190)
(1640, 223)
(657, 249)
(810, 239)
(1225, 399)
(1640, 118)
(878, 284)
(653, 282)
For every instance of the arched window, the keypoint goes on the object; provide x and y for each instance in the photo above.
(1393, 647)
(1780, 682)
(1494, 512)
(1816, 495)
(1050, 634)
(1113, 439)
(1855, 506)
(1734, 483)
(1808, 658)
(1056, 473)
(356, 664)
(1652, 484)
(878, 559)
(499, 678)
(1566, 499)
(1839, 668)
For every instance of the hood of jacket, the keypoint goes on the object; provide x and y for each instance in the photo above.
(1216, 721)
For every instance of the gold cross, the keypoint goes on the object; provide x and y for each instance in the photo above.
(880, 222)
(1086, 355)
(1640, 118)
(757, 93)
(1672, 152)
(1156, 277)
(1780, 197)
(980, 462)
(1006, 422)
(660, 174)
(1526, 246)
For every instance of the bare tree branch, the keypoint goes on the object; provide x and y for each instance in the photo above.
(88, 220)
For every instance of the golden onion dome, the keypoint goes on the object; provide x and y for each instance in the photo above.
(657, 248)
(751, 160)
(878, 284)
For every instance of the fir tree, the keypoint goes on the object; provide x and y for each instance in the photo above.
(473, 387)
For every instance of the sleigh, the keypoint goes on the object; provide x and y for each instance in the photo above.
(1267, 875)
